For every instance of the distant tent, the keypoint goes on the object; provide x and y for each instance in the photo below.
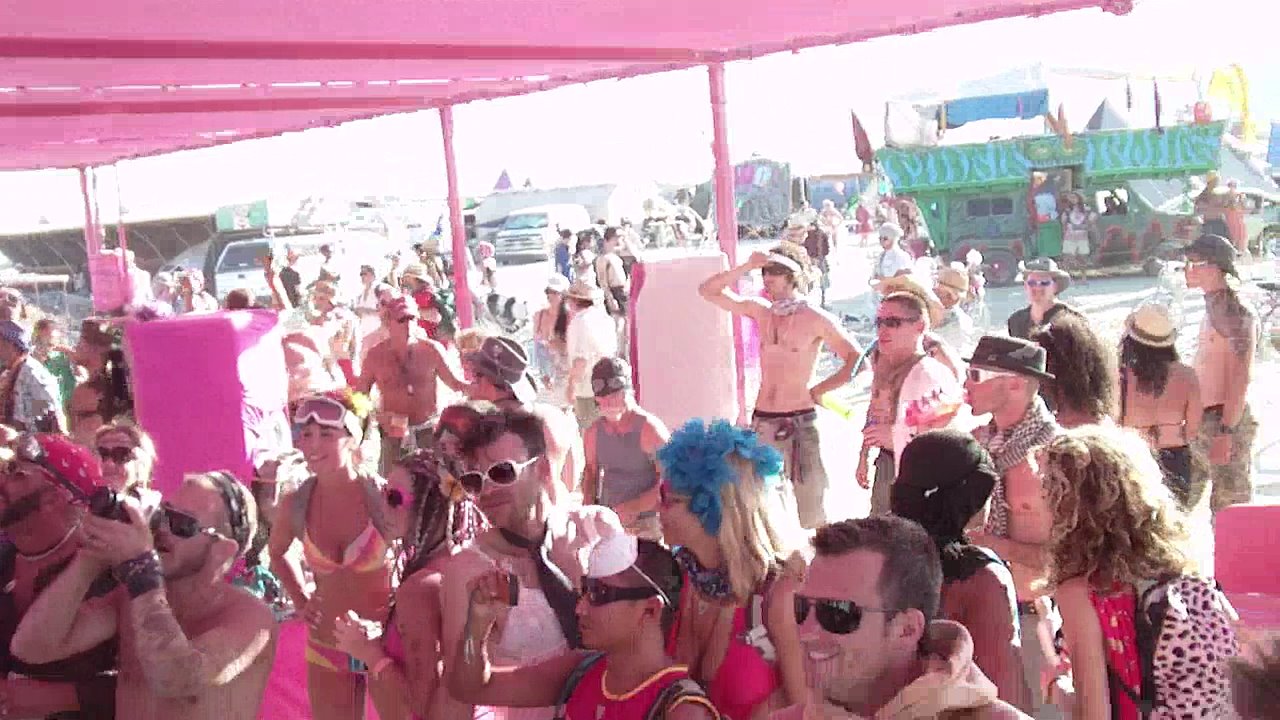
(504, 182)
(1107, 117)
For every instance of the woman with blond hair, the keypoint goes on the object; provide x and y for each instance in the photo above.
(721, 510)
(1117, 547)
(128, 456)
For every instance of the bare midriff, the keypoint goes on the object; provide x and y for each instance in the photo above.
(789, 348)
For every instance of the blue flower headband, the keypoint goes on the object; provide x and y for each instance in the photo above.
(695, 463)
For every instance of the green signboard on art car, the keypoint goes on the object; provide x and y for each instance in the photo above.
(249, 216)
(1001, 164)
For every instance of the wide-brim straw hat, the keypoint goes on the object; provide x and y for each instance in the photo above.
(1152, 326)
(582, 290)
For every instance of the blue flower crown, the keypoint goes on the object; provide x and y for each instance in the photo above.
(695, 463)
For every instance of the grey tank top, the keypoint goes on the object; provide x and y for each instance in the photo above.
(625, 470)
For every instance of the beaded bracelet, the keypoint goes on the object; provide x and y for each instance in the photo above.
(141, 575)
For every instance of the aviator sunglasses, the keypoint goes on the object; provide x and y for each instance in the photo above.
(500, 473)
(838, 617)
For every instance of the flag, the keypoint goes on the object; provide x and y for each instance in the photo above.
(1128, 95)
(862, 144)
(1155, 84)
(504, 182)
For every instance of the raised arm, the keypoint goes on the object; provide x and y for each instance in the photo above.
(444, 369)
(718, 289)
(61, 623)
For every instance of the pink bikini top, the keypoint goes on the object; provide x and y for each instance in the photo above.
(745, 679)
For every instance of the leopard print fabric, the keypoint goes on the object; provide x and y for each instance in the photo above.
(1190, 662)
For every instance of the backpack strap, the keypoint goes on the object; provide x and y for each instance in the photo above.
(672, 694)
(298, 511)
(571, 683)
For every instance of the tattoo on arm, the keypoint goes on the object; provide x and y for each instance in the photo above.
(1233, 320)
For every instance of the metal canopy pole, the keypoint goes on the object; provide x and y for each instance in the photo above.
(727, 214)
(461, 289)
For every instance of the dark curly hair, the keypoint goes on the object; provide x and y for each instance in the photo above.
(1150, 365)
(1084, 369)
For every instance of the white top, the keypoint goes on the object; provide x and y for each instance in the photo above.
(893, 261)
(956, 329)
(591, 335)
(929, 390)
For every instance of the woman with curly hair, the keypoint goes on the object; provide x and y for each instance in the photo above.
(1159, 395)
(1116, 535)
(104, 396)
(430, 516)
(721, 510)
(340, 517)
(1084, 370)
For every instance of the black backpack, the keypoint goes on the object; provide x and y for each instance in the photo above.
(670, 695)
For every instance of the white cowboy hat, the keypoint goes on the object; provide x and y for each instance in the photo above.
(582, 290)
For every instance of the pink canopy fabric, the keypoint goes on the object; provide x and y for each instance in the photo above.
(86, 83)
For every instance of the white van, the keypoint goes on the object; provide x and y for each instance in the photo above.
(240, 264)
(532, 233)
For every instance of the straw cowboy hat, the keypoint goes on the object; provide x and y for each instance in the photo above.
(583, 290)
(416, 270)
(954, 279)
(1061, 278)
(1151, 325)
(910, 285)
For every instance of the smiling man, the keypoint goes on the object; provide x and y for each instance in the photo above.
(791, 335)
(192, 646)
(1044, 281)
(873, 646)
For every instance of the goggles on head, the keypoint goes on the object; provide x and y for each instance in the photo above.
(327, 412)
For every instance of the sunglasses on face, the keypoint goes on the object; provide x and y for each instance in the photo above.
(117, 455)
(598, 593)
(1193, 264)
(892, 322)
(500, 473)
(979, 375)
(181, 525)
(1038, 283)
(838, 617)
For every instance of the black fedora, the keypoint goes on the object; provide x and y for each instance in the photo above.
(1015, 355)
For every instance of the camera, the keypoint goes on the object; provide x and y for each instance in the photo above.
(109, 504)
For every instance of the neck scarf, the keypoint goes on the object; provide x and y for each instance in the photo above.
(1010, 447)
(711, 583)
(787, 307)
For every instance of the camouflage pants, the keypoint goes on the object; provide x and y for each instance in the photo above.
(795, 435)
(1228, 483)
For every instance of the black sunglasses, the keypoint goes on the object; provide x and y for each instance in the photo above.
(598, 593)
(117, 455)
(181, 525)
(500, 473)
(894, 322)
(839, 617)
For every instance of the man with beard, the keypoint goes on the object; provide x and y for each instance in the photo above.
(40, 523)
(500, 375)
(405, 368)
(541, 543)
(874, 648)
(1004, 380)
(791, 334)
(192, 645)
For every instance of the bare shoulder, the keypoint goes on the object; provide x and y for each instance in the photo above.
(464, 565)
(1072, 591)
(247, 611)
(421, 591)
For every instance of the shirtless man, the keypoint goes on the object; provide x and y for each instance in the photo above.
(405, 368)
(791, 334)
(500, 375)
(192, 646)
(1223, 363)
(1004, 380)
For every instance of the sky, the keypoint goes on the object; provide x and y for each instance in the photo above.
(792, 106)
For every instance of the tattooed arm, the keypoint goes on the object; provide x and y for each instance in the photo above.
(177, 666)
(1237, 323)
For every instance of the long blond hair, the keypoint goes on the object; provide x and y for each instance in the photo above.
(1114, 521)
(145, 447)
(756, 538)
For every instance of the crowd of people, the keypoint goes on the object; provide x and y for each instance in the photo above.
(466, 527)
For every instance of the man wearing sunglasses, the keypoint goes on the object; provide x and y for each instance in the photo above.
(791, 335)
(626, 608)
(406, 367)
(868, 623)
(1044, 281)
(1004, 380)
(193, 647)
(541, 541)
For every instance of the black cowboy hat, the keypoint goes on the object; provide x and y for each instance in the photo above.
(1014, 355)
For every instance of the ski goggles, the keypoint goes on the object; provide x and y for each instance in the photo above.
(838, 617)
(327, 412)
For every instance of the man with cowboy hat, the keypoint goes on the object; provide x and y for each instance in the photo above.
(951, 287)
(791, 335)
(1223, 364)
(1004, 380)
(1044, 281)
(591, 336)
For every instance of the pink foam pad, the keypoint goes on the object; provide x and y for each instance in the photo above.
(682, 345)
(210, 389)
(286, 694)
(1246, 542)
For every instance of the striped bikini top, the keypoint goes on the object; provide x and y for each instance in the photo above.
(367, 553)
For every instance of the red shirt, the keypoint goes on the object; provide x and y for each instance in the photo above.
(591, 701)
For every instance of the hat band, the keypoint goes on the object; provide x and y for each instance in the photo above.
(784, 261)
(1147, 338)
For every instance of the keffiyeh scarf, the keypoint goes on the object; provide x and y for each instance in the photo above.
(790, 306)
(1012, 446)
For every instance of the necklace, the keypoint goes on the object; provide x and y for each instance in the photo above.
(56, 547)
(712, 583)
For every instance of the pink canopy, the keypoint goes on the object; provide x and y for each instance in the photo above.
(87, 83)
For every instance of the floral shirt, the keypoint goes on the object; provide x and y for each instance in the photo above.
(35, 395)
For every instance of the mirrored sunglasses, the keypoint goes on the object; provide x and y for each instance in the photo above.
(1039, 283)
